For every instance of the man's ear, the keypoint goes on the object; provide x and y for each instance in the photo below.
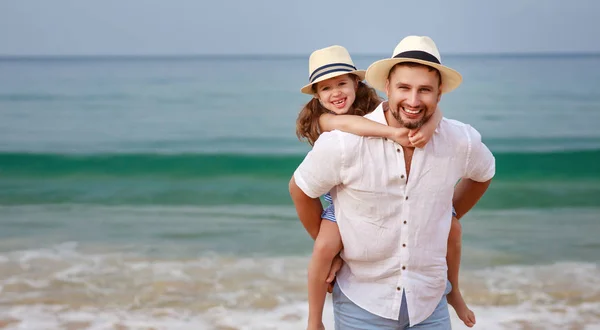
(387, 88)
(439, 98)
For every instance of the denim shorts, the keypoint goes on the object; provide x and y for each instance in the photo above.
(348, 316)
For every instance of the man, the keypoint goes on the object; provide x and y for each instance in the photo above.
(393, 204)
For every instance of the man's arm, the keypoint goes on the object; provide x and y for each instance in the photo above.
(309, 212)
(309, 209)
(466, 194)
(480, 169)
(318, 173)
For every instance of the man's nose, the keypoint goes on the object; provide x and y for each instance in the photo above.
(413, 99)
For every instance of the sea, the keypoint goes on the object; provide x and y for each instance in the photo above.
(152, 192)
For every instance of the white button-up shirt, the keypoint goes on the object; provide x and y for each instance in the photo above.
(394, 230)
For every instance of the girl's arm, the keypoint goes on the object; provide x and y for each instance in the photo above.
(419, 137)
(362, 126)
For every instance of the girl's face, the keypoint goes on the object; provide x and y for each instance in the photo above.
(337, 94)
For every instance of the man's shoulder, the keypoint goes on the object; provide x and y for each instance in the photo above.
(457, 132)
(338, 144)
(337, 140)
(339, 137)
(455, 128)
(452, 125)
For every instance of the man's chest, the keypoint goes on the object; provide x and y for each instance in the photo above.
(387, 168)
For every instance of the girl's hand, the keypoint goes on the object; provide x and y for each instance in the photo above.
(417, 138)
(400, 136)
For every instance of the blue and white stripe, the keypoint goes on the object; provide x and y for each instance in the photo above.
(330, 68)
(329, 212)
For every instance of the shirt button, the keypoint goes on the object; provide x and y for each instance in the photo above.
(384, 139)
(403, 245)
(402, 176)
(398, 288)
(403, 267)
(404, 221)
(398, 150)
(406, 197)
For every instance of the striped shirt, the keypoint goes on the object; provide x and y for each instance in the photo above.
(329, 211)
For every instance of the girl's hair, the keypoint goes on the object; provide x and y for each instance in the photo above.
(307, 124)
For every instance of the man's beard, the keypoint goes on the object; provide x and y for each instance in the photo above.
(412, 124)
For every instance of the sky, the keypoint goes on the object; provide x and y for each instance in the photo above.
(191, 27)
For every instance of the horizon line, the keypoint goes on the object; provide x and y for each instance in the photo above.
(276, 55)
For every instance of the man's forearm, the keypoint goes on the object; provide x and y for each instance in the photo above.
(466, 194)
(309, 209)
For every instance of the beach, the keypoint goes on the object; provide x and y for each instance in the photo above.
(151, 193)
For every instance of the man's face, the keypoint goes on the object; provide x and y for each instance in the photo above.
(413, 94)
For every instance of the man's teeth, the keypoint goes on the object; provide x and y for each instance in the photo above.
(412, 112)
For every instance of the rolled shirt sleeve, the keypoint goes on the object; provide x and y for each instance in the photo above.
(320, 170)
(481, 164)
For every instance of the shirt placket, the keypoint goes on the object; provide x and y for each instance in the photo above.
(404, 231)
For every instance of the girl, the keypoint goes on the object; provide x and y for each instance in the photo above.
(337, 89)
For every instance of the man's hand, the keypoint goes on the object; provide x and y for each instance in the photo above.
(336, 264)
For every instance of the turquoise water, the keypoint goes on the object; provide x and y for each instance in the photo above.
(158, 187)
(523, 180)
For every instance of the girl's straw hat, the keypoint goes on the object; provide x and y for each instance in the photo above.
(327, 63)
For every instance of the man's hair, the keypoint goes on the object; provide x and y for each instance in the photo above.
(416, 65)
(307, 124)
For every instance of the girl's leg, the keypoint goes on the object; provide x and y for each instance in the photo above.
(327, 245)
(455, 298)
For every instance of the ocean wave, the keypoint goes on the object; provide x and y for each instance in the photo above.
(221, 291)
(523, 180)
(510, 165)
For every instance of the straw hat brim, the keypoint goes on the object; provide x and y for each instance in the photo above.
(378, 72)
(308, 88)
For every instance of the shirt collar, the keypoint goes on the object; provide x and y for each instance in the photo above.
(377, 115)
